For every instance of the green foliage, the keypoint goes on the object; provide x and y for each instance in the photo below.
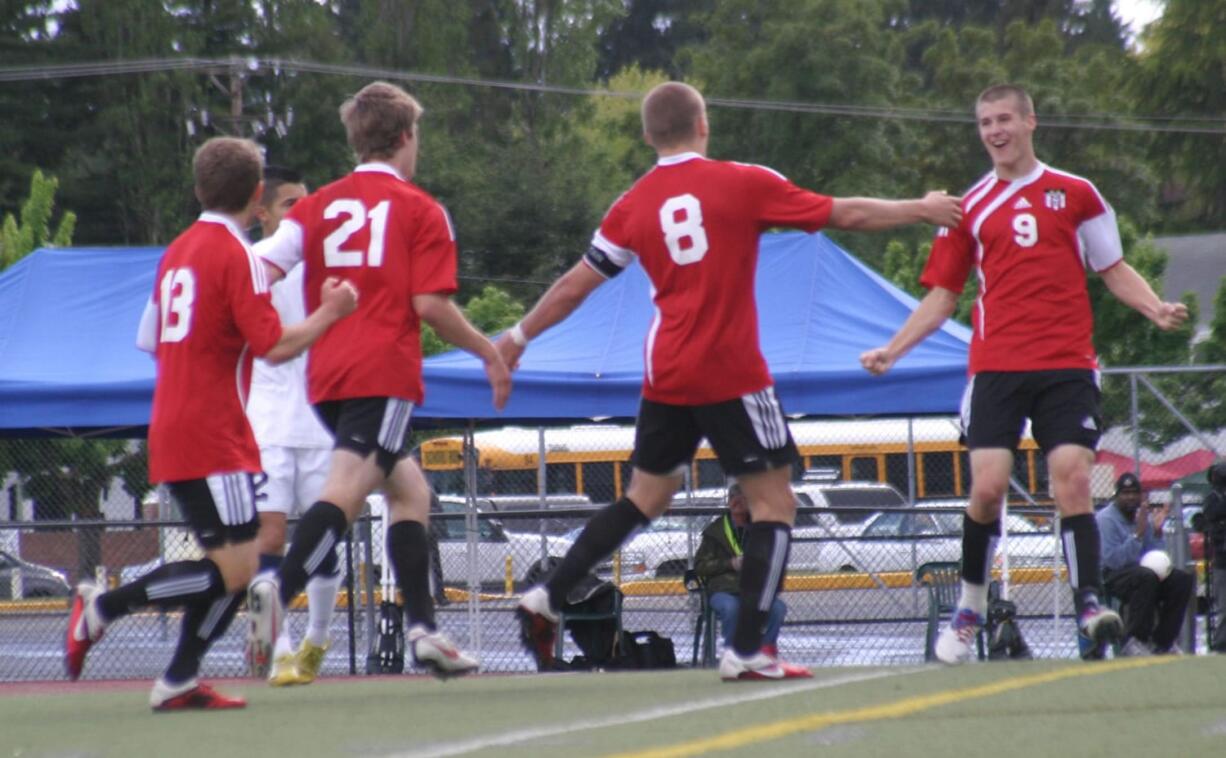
(18, 239)
(493, 310)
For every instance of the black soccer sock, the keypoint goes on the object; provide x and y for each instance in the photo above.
(607, 530)
(317, 533)
(330, 565)
(269, 562)
(409, 548)
(171, 585)
(978, 546)
(763, 567)
(203, 624)
(1082, 549)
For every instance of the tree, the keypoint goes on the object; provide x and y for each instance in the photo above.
(34, 231)
(491, 311)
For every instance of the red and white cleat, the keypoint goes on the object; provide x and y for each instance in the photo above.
(85, 627)
(538, 626)
(190, 696)
(438, 653)
(758, 667)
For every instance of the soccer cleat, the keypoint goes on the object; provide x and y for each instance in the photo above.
(434, 651)
(263, 623)
(759, 666)
(955, 643)
(1098, 628)
(308, 660)
(284, 671)
(1135, 648)
(85, 627)
(538, 626)
(190, 696)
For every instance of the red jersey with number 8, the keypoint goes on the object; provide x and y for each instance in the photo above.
(214, 315)
(1030, 241)
(393, 241)
(694, 224)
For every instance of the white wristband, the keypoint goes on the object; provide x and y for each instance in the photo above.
(517, 335)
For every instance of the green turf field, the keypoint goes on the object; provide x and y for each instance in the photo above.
(1134, 707)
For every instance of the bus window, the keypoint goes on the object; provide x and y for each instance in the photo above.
(825, 462)
(864, 470)
(510, 482)
(1042, 481)
(598, 482)
(896, 471)
(560, 477)
(446, 482)
(939, 478)
(710, 473)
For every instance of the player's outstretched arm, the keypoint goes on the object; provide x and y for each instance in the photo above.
(933, 310)
(449, 322)
(1132, 290)
(561, 300)
(337, 299)
(867, 214)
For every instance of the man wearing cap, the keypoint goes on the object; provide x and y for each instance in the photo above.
(1153, 605)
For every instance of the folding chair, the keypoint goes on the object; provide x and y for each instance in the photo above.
(704, 627)
(566, 616)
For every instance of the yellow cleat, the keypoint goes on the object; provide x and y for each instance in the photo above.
(308, 660)
(284, 672)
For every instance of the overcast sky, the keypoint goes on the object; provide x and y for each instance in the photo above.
(1137, 13)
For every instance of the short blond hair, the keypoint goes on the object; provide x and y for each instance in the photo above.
(1001, 91)
(376, 116)
(671, 113)
(226, 172)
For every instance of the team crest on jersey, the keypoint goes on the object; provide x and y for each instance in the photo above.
(1054, 199)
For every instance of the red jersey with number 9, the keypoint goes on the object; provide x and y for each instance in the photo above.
(694, 224)
(1030, 241)
(393, 241)
(214, 315)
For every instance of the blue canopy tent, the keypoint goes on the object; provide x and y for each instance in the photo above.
(68, 363)
(819, 309)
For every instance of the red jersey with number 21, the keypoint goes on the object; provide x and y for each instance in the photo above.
(1030, 241)
(694, 224)
(214, 316)
(393, 241)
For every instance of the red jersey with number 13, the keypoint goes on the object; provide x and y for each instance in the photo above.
(214, 315)
(694, 224)
(393, 241)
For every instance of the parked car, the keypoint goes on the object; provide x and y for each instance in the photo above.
(36, 580)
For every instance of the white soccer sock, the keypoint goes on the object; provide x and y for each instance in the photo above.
(321, 603)
(975, 597)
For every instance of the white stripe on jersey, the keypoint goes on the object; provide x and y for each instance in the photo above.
(650, 347)
(759, 165)
(240, 386)
(620, 255)
(447, 219)
(978, 190)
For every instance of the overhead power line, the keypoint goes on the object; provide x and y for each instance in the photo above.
(1214, 125)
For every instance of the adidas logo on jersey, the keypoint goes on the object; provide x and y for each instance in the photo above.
(1021, 205)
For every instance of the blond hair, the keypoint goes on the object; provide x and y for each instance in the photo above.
(1025, 105)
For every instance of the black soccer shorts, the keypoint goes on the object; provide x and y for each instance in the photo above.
(220, 508)
(1062, 405)
(366, 425)
(749, 435)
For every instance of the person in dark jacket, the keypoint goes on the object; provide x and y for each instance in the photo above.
(718, 564)
(1215, 538)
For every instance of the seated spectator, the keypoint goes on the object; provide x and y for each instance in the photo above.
(718, 563)
(1154, 606)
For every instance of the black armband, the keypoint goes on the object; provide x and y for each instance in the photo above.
(600, 261)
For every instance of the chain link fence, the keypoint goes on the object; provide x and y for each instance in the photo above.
(878, 498)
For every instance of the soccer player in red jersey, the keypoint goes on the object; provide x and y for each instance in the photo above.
(1030, 232)
(397, 245)
(694, 223)
(210, 314)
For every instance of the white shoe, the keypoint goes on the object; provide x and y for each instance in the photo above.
(955, 644)
(435, 651)
(538, 626)
(1135, 648)
(264, 616)
(757, 666)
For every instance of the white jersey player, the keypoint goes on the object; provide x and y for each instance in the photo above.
(294, 451)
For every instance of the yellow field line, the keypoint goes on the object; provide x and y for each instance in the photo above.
(755, 735)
